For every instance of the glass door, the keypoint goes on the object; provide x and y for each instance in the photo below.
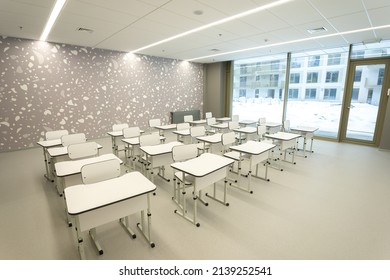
(363, 111)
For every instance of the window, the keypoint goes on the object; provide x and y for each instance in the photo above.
(381, 75)
(257, 78)
(310, 93)
(243, 81)
(274, 80)
(242, 92)
(296, 63)
(314, 61)
(312, 77)
(332, 77)
(275, 64)
(293, 93)
(358, 76)
(243, 69)
(355, 94)
(294, 78)
(334, 59)
(257, 93)
(330, 94)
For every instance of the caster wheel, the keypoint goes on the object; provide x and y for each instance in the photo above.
(206, 204)
(227, 204)
(101, 252)
(174, 211)
(152, 245)
(198, 225)
(251, 192)
(134, 236)
(267, 180)
(69, 224)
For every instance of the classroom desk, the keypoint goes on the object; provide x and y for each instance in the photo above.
(197, 122)
(166, 127)
(114, 136)
(247, 122)
(99, 203)
(46, 144)
(206, 170)
(273, 127)
(257, 152)
(224, 119)
(159, 156)
(285, 140)
(182, 134)
(220, 126)
(132, 147)
(73, 167)
(306, 132)
(210, 139)
(245, 130)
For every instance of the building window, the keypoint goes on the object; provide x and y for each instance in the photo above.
(310, 93)
(312, 77)
(243, 81)
(275, 64)
(243, 69)
(358, 76)
(242, 93)
(334, 59)
(314, 61)
(332, 77)
(296, 63)
(381, 76)
(355, 94)
(294, 78)
(369, 95)
(257, 78)
(257, 93)
(330, 94)
(274, 80)
(293, 93)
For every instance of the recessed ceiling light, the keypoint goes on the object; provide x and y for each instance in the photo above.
(83, 29)
(53, 17)
(198, 12)
(215, 50)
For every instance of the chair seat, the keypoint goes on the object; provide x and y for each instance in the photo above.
(188, 179)
(233, 155)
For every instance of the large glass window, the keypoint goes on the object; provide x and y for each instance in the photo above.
(264, 88)
(294, 78)
(319, 106)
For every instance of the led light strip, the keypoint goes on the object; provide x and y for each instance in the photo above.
(52, 19)
(293, 41)
(218, 22)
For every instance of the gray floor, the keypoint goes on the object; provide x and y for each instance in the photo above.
(332, 205)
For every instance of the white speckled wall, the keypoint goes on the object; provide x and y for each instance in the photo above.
(46, 86)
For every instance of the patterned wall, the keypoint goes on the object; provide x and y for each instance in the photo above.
(46, 86)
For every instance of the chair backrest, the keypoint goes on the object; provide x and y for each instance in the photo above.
(233, 125)
(235, 118)
(149, 139)
(188, 118)
(154, 122)
(100, 171)
(184, 152)
(183, 126)
(198, 130)
(208, 115)
(228, 138)
(261, 131)
(286, 126)
(131, 132)
(119, 127)
(211, 121)
(82, 150)
(261, 121)
(55, 134)
(75, 138)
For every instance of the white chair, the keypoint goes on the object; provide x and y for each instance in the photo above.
(55, 134)
(262, 121)
(119, 127)
(235, 125)
(75, 138)
(188, 118)
(229, 139)
(210, 121)
(130, 151)
(261, 131)
(286, 126)
(180, 182)
(196, 131)
(100, 171)
(153, 123)
(83, 150)
(208, 115)
(182, 126)
(148, 140)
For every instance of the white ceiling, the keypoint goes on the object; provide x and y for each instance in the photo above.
(126, 25)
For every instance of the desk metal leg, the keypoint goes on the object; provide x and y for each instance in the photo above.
(47, 174)
(92, 234)
(80, 240)
(141, 226)
(214, 196)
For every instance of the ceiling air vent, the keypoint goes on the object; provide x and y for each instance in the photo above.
(317, 30)
(82, 29)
